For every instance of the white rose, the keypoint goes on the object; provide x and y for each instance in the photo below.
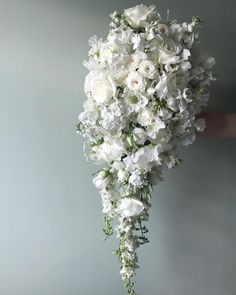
(145, 117)
(130, 207)
(103, 90)
(101, 181)
(137, 16)
(135, 81)
(168, 51)
(140, 135)
(147, 69)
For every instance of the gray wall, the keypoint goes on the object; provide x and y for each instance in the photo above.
(50, 213)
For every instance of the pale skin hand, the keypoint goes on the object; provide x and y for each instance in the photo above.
(221, 125)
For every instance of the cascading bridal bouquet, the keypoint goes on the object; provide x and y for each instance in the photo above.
(146, 85)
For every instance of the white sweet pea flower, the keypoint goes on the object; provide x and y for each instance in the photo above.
(139, 135)
(146, 157)
(137, 16)
(145, 117)
(122, 175)
(101, 181)
(153, 129)
(185, 54)
(147, 69)
(200, 124)
(130, 207)
(95, 44)
(111, 149)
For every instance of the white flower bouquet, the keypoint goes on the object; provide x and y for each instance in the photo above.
(146, 85)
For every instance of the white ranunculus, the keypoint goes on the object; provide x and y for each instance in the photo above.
(133, 61)
(145, 117)
(163, 29)
(101, 181)
(136, 82)
(103, 90)
(137, 16)
(130, 207)
(147, 69)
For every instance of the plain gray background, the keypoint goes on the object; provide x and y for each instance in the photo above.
(50, 213)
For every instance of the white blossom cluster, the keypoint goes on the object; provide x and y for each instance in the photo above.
(146, 85)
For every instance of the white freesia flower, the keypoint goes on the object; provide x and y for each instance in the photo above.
(130, 207)
(136, 82)
(137, 16)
